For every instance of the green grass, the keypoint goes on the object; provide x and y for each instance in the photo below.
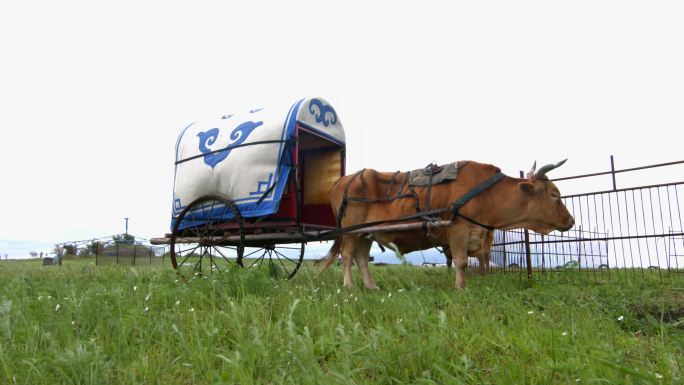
(86, 324)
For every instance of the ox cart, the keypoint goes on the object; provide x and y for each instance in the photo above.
(253, 188)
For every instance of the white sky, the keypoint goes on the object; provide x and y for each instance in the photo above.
(93, 96)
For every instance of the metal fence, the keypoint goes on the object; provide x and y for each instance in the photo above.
(619, 232)
(130, 254)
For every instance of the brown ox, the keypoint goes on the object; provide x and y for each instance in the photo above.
(533, 203)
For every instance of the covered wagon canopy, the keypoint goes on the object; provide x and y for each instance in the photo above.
(246, 156)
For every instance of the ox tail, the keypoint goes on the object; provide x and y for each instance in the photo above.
(332, 254)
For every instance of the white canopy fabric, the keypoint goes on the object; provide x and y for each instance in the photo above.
(246, 157)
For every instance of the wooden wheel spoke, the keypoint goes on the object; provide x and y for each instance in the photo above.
(199, 262)
(211, 258)
(272, 265)
(283, 264)
(284, 256)
(253, 252)
(193, 250)
(194, 224)
(208, 217)
(261, 258)
(222, 255)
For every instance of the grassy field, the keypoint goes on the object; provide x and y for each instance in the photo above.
(86, 324)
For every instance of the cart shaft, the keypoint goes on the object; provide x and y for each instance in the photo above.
(306, 236)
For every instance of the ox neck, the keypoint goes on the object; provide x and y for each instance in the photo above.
(509, 212)
(475, 191)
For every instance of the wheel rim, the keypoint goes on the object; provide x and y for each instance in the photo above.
(202, 244)
(282, 261)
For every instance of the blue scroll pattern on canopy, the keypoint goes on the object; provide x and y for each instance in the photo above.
(322, 112)
(207, 138)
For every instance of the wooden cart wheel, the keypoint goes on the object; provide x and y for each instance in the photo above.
(282, 261)
(205, 233)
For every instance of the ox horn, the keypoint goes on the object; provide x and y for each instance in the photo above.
(541, 174)
(530, 173)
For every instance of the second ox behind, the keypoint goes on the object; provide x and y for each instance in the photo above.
(478, 200)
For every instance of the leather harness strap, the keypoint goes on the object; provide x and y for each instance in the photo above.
(345, 198)
(456, 207)
(391, 184)
(428, 170)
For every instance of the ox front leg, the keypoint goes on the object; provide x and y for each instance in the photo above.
(361, 256)
(458, 244)
(347, 252)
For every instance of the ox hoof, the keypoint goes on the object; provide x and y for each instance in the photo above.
(374, 288)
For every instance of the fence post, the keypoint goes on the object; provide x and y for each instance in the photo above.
(528, 253)
(135, 253)
(612, 172)
(503, 232)
(543, 265)
(117, 253)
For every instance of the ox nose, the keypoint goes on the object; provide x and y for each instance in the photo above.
(572, 223)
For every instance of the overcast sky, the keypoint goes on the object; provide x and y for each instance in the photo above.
(94, 95)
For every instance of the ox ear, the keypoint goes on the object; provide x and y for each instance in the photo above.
(526, 187)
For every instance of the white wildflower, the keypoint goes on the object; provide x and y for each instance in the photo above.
(147, 297)
(177, 303)
(659, 376)
(356, 299)
(382, 300)
(400, 290)
(192, 309)
(564, 333)
(73, 322)
(57, 307)
(49, 297)
(315, 290)
(135, 288)
(530, 312)
(338, 291)
(186, 364)
(399, 320)
(40, 298)
(389, 295)
(621, 318)
(335, 305)
(147, 308)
